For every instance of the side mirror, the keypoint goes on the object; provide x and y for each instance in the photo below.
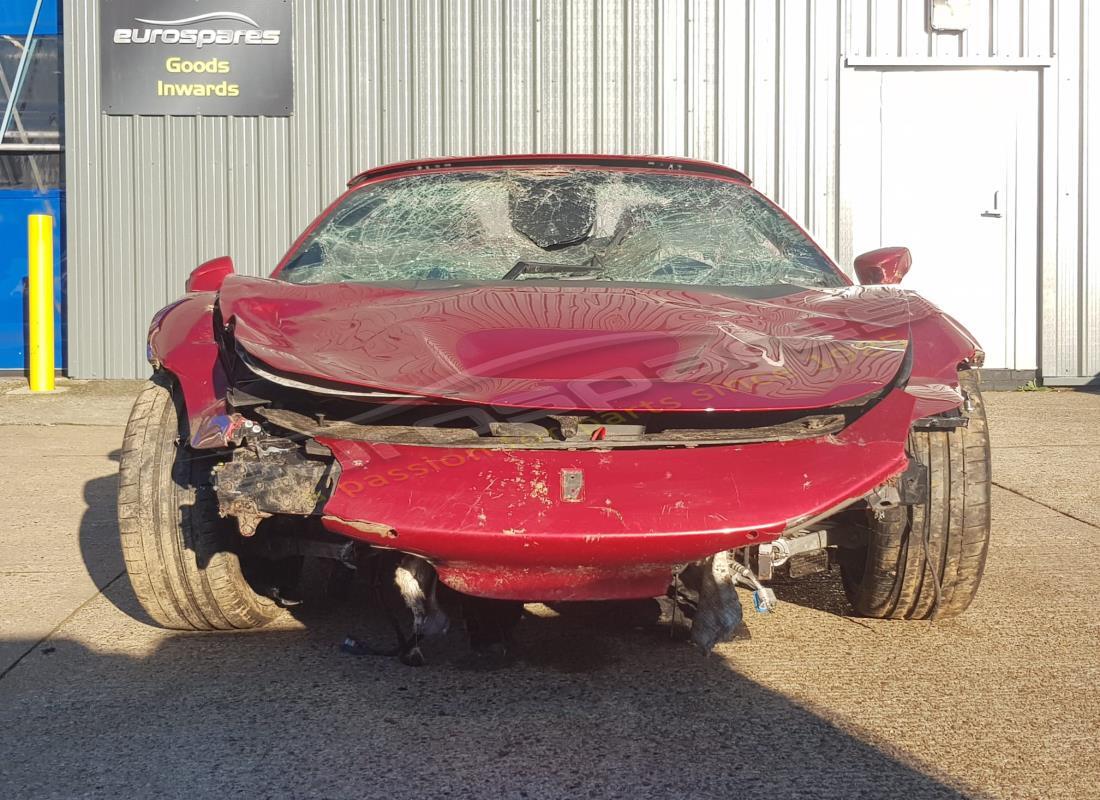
(887, 265)
(208, 277)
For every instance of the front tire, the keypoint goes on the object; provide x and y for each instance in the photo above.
(175, 545)
(925, 561)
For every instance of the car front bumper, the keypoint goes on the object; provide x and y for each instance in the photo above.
(589, 525)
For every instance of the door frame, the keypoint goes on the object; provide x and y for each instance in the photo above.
(851, 140)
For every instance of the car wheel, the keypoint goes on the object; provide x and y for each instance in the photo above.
(925, 561)
(177, 549)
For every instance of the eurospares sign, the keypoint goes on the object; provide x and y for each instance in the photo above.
(196, 57)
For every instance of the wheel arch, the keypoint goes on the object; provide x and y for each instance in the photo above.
(941, 349)
(182, 346)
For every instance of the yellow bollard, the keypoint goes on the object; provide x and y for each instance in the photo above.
(40, 301)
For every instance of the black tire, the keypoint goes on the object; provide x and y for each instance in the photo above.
(175, 545)
(891, 577)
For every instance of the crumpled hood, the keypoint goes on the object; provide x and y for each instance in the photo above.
(570, 347)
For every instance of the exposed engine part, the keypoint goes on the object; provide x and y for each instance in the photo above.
(565, 433)
(489, 623)
(706, 592)
(763, 598)
(234, 428)
(315, 448)
(718, 613)
(774, 554)
(221, 430)
(808, 564)
(377, 574)
(807, 542)
(239, 398)
(908, 488)
(913, 484)
(884, 497)
(765, 561)
(271, 476)
(348, 552)
(942, 422)
(416, 580)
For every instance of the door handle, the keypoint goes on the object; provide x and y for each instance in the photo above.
(994, 212)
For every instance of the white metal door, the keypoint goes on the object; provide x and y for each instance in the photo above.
(945, 162)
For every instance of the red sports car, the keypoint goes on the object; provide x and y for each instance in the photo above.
(555, 378)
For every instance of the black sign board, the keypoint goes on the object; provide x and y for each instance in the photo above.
(196, 57)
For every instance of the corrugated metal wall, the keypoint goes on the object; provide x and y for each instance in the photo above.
(1070, 341)
(752, 83)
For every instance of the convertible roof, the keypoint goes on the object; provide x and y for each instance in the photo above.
(690, 165)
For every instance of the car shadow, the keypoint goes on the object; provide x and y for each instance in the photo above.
(823, 591)
(100, 547)
(577, 711)
(586, 703)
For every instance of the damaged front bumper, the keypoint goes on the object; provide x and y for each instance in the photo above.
(598, 524)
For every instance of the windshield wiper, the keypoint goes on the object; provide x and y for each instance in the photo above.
(537, 268)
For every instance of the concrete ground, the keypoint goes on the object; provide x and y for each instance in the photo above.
(1002, 702)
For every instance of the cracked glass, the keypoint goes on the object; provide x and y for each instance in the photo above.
(566, 224)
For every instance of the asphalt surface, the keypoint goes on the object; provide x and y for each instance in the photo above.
(1002, 702)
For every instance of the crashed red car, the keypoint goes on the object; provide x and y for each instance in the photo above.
(556, 378)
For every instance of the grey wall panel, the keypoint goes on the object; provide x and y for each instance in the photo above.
(1061, 275)
(751, 83)
(1089, 257)
(1070, 277)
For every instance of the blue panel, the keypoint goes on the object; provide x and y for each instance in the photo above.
(15, 17)
(15, 205)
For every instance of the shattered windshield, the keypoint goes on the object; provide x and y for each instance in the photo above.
(564, 224)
